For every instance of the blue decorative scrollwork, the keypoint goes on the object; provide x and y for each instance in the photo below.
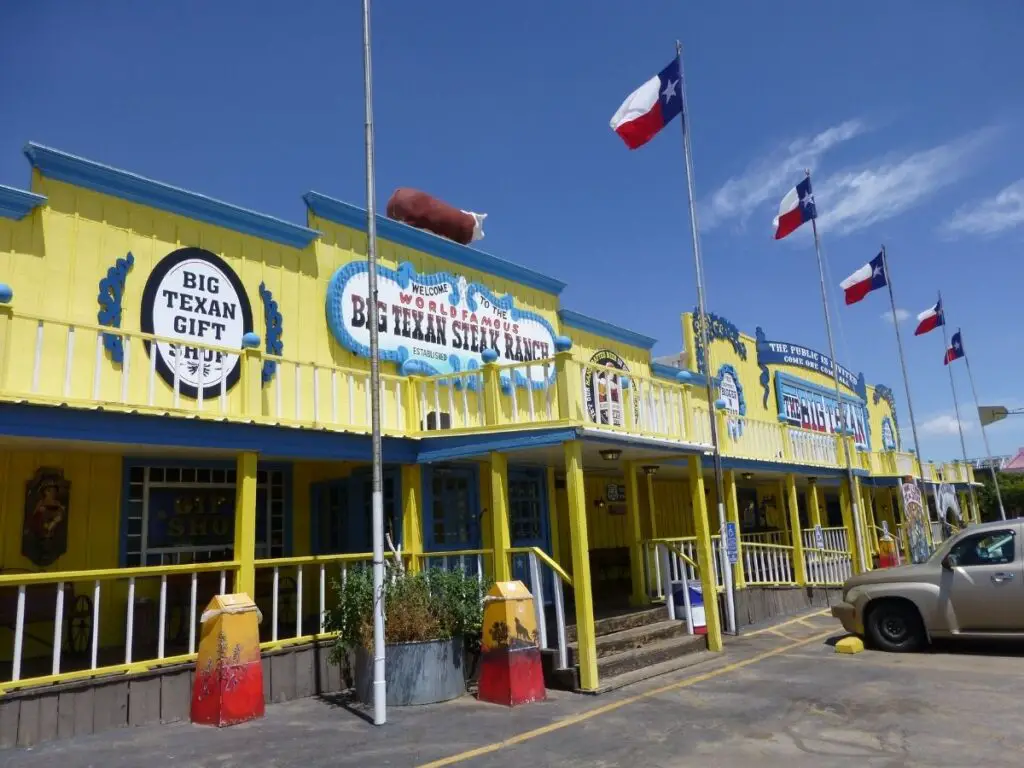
(765, 378)
(111, 293)
(718, 329)
(274, 325)
(883, 392)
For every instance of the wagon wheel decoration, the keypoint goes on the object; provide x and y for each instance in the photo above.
(80, 625)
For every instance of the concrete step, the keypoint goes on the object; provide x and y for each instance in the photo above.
(649, 655)
(669, 666)
(632, 639)
(620, 622)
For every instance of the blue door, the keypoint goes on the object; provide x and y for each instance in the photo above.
(452, 499)
(529, 523)
(343, 513)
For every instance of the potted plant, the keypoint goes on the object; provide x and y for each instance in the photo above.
(431, 617)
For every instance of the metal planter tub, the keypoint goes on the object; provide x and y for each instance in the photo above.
(416, 673)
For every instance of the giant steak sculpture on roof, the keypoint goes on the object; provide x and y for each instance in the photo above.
(423, 211)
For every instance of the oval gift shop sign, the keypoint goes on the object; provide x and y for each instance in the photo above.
(192, 295)
(435, 323)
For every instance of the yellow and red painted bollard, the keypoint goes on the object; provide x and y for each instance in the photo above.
(228, 686)
(511, 672)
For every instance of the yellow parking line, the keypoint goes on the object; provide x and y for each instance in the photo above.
(799, 620)
(611, 707)
(782, 635)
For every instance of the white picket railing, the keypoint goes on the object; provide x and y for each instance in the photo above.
(681, 552)
(543, 570)
(813, 448)
(457, 396)
(765, 537)
(71, 601)
(834, 538)
(827, 567)
(768, 565)
(623, 402)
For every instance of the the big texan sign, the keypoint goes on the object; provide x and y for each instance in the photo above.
(434, 323)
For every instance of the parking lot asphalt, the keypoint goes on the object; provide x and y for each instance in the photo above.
(778, 696)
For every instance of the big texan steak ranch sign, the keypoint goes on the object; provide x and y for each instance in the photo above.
(192, 295)
(434, 323)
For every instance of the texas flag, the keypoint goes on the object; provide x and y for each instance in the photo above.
(930, 319)
(650, 107)
(796, 208)
(956, 349)
(865, 280)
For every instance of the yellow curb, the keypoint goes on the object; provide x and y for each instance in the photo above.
(850, 644)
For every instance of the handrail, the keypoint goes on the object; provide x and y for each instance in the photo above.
(271, 562)
(106, 574)
(554, 566)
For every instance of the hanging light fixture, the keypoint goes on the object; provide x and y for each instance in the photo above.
(611, 454)
(651, 469)
(748, 476)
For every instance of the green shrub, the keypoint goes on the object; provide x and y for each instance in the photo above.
(428, 605)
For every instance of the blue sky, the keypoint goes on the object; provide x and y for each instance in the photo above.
(907, 113)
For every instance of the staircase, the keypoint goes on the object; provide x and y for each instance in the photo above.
(631, 647)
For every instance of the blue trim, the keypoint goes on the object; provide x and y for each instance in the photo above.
(606, 330)
(127, 462)
(273, 325)
(17, 203)
(111, 292)
(427, 518)
(670, 372)
(129, 186)
(465, 446)
(47, 422)
(751, 465)
(718, 329)
(354, 217)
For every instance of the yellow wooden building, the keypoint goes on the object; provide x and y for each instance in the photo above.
(184, 410)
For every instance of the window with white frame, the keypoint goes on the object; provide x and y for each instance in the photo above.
(176, 513)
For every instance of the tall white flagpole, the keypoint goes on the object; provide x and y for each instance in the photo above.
(379, 682)
(903, 365)
(956, 404)
(730, 603)
(984, 435)
(854, 501)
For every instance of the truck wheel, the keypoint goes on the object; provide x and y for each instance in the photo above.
(895, 627)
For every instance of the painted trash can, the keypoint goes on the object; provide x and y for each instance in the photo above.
(228, 686)
(700, 625)
(510, 663)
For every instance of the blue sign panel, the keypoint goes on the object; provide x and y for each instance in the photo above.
(731, 547)
(811, 407)
(785, 353)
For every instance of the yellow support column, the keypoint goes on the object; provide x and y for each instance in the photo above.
(705, 560)
(6, 332)
(867, 494)
(412, 514)
(866, 526)
(732, 515)
(782, 511)
(813, 508)
(501, 539)
(568, 376)
(638, 595)
(585, 633)
(652, 509)
(796, 537)
(492, 389)
(245, 523)
(851, 532)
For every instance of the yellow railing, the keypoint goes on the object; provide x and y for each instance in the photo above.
(104, 622)
(87, 365)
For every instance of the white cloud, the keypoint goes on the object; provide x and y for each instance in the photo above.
(901, 315)
(991, 216)
(944, 424)
(859, 197)
(773, 176)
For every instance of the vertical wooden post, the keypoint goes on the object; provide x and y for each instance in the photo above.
(251, 379)
(492, 391)
(585, 631)
(732, 515)
(705, 553)
(846, 507)
(568, 382)
(813, 507)
(501, 538)
(245, 523)
(638, 593)
(799, 563)
(412, 514)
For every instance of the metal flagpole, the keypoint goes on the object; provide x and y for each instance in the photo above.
(854, 501)
(956, 404)
(984, 435)
(903, 365)
(379, 683)
(730, 603)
